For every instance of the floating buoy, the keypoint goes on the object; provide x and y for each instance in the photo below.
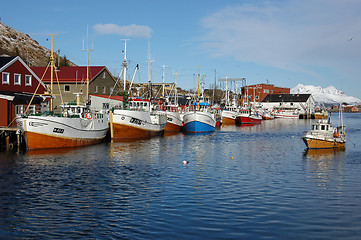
(232, 157)
(185, 162)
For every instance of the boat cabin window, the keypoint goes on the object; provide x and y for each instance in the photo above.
(323, 127)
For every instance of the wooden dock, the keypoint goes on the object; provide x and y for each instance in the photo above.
(11, 138)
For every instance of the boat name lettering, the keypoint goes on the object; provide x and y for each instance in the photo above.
(58, 130)
(37, 124)
(135, 121)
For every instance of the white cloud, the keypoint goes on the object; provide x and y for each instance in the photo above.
(127, 31)
(291, 35)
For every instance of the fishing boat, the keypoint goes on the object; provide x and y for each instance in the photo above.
(229, 116)
(246, 116)
(201, 119)
(267, 115)
(136, 119)
(169, 106)
(286, 112)
(323, 135)
(75, 125)
(322, 114)
(174, 120)
(230, 110)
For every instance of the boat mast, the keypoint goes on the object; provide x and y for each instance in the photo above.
(124, 70)
(149, 72)
(51, 70)
(87, 69)
(163, 82)
(199, 75)
(176, 91)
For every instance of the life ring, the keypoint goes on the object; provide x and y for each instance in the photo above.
(89, 115)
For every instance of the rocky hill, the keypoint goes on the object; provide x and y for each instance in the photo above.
(15, 43)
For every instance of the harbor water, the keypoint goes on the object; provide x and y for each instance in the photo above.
(240, 182)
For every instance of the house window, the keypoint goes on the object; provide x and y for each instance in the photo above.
(104, 90)
(19, 109)
(17, 79)
(66, 88)
(265, 90)
(96, 89)
(28, 80)
(6, 78)
(104, 74)
(111, 89)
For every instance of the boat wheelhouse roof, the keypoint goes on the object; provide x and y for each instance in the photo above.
(201, 104)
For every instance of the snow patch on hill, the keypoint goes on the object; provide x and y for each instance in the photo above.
(326, 96)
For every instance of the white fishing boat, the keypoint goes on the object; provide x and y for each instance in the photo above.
(174, 120)
(267, 114)
(136, 119)
(170, 107)
(201, 119)
(286, 112)
(230, 109)
(74, 126)
(229, 116)
(323, 135)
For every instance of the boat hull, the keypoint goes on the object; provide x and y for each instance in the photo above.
(229, 117)
(313, 143)
(198, 122)
(42, 132)
(174, 122)
(321, 116)
(248, 120)
(129, 124)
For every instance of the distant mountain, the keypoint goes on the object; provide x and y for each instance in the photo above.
(15, 43)
(326, 96)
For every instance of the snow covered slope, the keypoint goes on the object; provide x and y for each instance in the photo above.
(326, 96)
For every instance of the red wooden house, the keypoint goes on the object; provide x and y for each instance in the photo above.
(17, 85)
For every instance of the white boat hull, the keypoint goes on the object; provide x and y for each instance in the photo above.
(197, 122)
(56, 132)
(132, 124)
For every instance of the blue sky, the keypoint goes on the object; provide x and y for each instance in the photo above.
(313, 42)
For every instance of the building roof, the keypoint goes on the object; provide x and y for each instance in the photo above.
(12, 96)
(118, 98)
(5, 60)
(68, 74)
(286, 98)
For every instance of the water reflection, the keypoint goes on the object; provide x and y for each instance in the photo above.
(325, 166)
(324, 154)
(53, 151)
